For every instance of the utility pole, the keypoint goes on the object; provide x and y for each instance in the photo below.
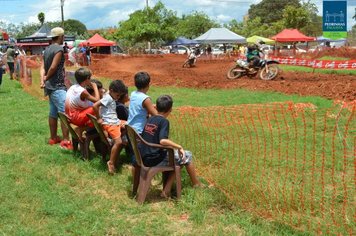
(62, 4)
(148, 43)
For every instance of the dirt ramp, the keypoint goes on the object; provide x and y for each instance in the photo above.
(167, 70)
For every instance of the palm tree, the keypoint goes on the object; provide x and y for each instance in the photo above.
(41, 17)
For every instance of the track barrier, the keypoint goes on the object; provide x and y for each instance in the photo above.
(317, 64)
(293, 163)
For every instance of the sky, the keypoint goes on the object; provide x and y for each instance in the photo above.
(97, 14)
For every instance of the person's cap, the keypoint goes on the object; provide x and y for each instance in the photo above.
(55, 32)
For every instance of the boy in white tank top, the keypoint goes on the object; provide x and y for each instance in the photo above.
(79, 101)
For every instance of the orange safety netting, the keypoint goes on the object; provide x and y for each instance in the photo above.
(292, 163)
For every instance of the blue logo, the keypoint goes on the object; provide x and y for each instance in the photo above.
(334, 16)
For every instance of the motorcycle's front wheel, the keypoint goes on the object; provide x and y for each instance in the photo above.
(234, 72)
(186, 64)
(272, 73)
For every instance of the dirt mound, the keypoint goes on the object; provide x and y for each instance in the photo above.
(336, 52)
(166, 70)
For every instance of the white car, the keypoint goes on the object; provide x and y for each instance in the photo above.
(180, 50)
(267, 49)
(290, 48)
(217, 52)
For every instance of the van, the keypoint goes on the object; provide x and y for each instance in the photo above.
(267, 49)
(290, 48)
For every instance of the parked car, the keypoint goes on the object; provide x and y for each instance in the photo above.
(229, 48)
(267, 49)
(180, 50)
(155, 51)
(286, 48)
(216, 51)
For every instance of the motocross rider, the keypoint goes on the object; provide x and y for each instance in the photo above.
(253, 55)
(194, 53)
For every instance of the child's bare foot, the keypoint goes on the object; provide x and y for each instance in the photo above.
(165, 195)
(111, 167)
(199, 185)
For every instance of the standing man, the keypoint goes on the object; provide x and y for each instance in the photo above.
(88, 53)
(2, 65)
(52, 80)
(10, 55)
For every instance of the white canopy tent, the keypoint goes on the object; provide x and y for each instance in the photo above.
(220, 35)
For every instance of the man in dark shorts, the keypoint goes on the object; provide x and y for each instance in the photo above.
(10, 55)
(88, 53)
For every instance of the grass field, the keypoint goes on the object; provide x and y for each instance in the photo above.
(323, 71)
(47, 191)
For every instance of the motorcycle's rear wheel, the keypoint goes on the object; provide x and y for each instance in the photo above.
(272, 73)
(233, 72)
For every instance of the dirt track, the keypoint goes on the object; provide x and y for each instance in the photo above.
(166, 70)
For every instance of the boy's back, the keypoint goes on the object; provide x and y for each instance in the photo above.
(108, 110)
(140, 103)
(73, 98)
(137, 113)
(156, 128)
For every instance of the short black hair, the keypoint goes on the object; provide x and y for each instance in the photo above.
(98, 84)
(164, 103)
(142, 80)
(125, 92)
(118, 86)
(82, 74)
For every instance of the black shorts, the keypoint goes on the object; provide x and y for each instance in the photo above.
(11, 67)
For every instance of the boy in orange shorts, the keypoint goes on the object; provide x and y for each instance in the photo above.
(79, 101)
(105, 110)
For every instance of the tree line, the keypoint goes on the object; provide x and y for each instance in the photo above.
(158, 24)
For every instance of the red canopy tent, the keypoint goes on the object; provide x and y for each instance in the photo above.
(291, 35)
(4, 35)
(97, 41)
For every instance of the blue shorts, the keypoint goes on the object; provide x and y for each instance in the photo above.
(57, 100)
(187, 161)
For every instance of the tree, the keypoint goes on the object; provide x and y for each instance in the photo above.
(314, 25)
(10, 28)
(270, 11)
(351, 38)
(194, 24)
(41, 17)
(74, 27)
(155, 24)
(27, 29)
(295, 18)
(235, 26)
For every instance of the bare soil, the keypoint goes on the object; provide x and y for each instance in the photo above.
(166, 70)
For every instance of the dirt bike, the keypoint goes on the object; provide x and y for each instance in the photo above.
(192, 59)
(268, 69)
(190, 62)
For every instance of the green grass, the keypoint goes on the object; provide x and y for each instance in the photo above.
(331, 58)
(320, 71)
(270, 158)
(48, 191)
(209, 97)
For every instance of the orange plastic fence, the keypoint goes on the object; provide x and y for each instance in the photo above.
(292, 163)
(24, 65)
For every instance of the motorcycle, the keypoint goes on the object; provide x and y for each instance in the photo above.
(268, 69)
(192, 58)
(190, 62)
